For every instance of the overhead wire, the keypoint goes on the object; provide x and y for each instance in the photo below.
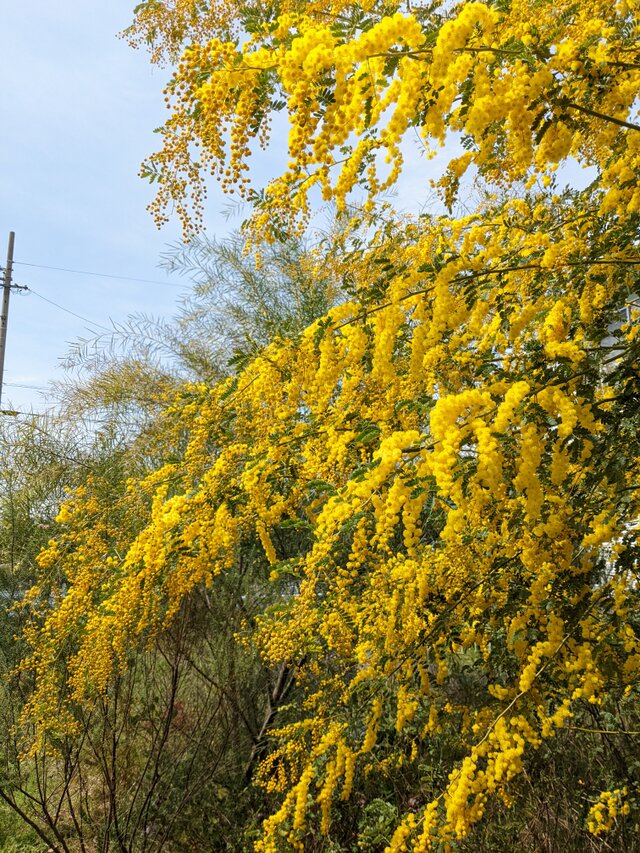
(68, 311)
(103, 274)
(130, 424)
(23, 385)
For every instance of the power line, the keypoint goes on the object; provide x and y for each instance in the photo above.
(102, 274)
(85, 420)
(21, 385)
(67, 311)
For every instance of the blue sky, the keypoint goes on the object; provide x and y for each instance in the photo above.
(78, 111)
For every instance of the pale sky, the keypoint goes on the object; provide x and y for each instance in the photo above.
(78, 110)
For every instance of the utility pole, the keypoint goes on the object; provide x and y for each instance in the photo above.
(4, 319)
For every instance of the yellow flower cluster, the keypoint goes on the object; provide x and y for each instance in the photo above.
(603, 813)
(529, 116)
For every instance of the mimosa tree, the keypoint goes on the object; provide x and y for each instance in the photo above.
(443, 471)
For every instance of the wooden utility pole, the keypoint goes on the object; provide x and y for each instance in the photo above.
(4, 319)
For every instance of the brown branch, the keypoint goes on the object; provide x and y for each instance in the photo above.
(620, 122)
(284, 683)
(25, 817)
